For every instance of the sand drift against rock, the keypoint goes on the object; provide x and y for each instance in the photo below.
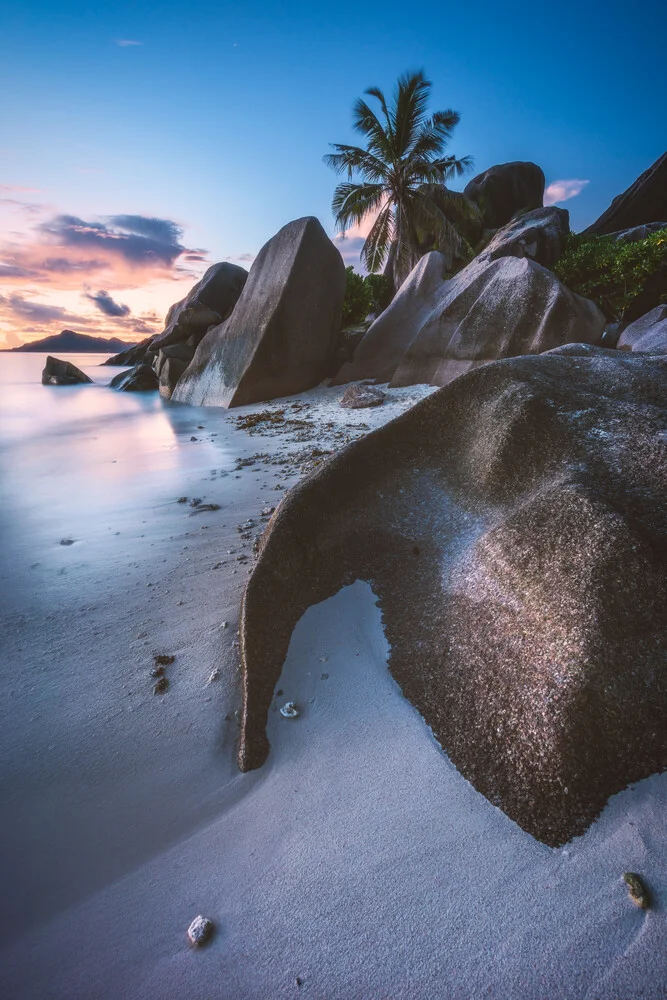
(514, 527)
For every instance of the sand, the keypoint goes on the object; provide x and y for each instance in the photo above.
(357, 861)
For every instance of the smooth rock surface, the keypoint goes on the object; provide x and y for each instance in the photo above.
(505, 189)
(647, 334)
(643, 202)
(58, 372)
(435, 329)
(284, 330)
(515, 527)
(538, 235)
(141, 378)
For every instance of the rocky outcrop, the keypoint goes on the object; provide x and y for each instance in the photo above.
(141, 378)
(136, 355)
(207, 304)
(648, 334)
(638, 232)
(505, 189)
(514, 526)
(57, 372)
(538, 235)
(436, 330)
(284, 330)
(643, 202)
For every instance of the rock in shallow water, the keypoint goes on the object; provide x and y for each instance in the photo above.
(57, 372)
(141, 378)
(522, 575)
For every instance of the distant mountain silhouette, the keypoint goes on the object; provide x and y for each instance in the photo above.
(69, 342)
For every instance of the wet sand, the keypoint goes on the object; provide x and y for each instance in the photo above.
(357, 861)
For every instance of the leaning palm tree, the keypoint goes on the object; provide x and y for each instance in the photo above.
(404, 168)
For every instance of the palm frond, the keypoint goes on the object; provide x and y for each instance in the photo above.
(410, 103)
(355, 160)
(461, 212)
(353, 202)
(376, 248)
(379, 96)
(365, 120)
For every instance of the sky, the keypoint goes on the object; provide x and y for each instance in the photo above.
(139, 143)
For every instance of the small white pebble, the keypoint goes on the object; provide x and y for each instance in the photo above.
(200, 930)
(214, 676)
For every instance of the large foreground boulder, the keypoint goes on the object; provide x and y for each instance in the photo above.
(436, 330)
(643, 202)
(514, 527)
(284, 330)
(505, 189)
(647, 334)
(58, 372)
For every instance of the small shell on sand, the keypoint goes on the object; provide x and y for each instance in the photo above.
(289, 710)
(200, 931)
(637, 891)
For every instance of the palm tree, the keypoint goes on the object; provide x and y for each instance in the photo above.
(404, 168)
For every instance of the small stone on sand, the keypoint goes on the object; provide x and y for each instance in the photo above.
(289, 710)
(200, 931)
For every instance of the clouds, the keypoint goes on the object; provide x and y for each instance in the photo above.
(110, 275)
(37, 312)
(106, 304)
(139, 239)
(126, 43)
(563, 190)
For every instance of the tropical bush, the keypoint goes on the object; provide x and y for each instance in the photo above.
(610, 272)
(364, 295)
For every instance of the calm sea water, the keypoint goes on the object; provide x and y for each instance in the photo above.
(73, 453)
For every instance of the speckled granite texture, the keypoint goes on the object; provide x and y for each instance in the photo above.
(514, 527)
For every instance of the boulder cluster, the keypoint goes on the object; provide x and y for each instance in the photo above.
(513, 524)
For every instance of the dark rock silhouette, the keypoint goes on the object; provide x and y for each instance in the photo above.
(58, 372)
(136, 355)
(643, 202)
(69, 342)
(285, 327)
(141, 378)
(514, 528)
(505, 189)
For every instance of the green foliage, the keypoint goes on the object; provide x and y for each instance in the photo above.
(610, 273)
(403, 169)
(366, 295)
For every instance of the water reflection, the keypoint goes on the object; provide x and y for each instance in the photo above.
(90, 450)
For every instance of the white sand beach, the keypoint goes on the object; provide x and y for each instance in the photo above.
(357, 863)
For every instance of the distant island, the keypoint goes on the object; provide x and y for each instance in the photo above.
(69, 342)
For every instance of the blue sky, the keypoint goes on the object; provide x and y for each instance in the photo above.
(217, 120)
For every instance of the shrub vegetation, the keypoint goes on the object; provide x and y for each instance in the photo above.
(610, 272)
(364, 295)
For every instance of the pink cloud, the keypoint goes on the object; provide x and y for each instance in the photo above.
(563, 190)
